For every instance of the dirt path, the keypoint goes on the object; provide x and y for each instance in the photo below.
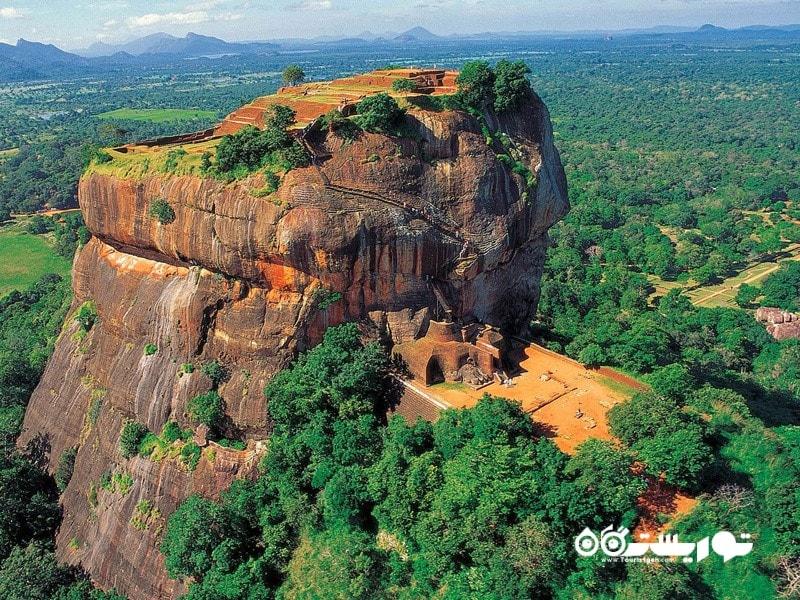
(46, 213)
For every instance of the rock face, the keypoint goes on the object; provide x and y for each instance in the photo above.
(781, 324)
(386, 229)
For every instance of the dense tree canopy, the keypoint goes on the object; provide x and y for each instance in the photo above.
(782, 288)
(501, 88)
(379, 113)
(349, 507)
(476, 84)
(250, 149)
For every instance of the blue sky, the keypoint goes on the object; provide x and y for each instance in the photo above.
(78, 24)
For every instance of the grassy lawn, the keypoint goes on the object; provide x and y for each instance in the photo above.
(25, 257)
(135, 164)
(158, 115)
(722, 294)
(615, 386)
(455, 387)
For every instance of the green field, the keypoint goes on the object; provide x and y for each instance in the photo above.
(615, 386)
(158, 115)
(722, 294)
(25, 257)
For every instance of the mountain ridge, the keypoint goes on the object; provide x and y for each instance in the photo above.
(192, 45)
(29, 60)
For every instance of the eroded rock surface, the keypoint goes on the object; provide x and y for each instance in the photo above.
(402, 229)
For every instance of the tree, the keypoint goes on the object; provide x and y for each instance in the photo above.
(32, 573)
(194, 530)
(662, 580)
(379, 113)
(782, 288)
(529, 551)
(28, 504)
(769, 241)
(476, 84)
(592, 355)
(207, 408)
(511, 86)
(161, 210)
(341, 126)
(249, 148)
(87, 315)
(131, 436)
(680, 455)
(404, 86)
(601, 474)
(663, 435)
(673, 381)
(215, 371)
(336, 563)
(66, 466)
(746, 295)
(40, 224)
(279, 117)
(293, 75)
(113, 133)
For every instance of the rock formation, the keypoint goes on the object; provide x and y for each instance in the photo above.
(781, 324)
(385, 230)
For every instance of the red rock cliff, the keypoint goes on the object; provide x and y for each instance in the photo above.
(239, 278)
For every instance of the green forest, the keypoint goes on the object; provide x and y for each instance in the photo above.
(682, 166)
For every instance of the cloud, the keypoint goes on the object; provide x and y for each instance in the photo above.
(176, 18)
(208, 5)
(10, 13)
(311, 5)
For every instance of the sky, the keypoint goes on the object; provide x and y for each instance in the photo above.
(72, 25)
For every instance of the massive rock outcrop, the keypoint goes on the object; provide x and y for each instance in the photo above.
(385, 229)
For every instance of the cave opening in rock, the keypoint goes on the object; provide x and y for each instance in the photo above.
(434, 372)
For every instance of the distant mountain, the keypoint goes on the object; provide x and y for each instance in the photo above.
(371, 37)
(709, 28)
(765, 34)
(35, 52)
(191, 46)
(417, 33)
(31, 60)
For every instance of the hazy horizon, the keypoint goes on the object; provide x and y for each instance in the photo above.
(78, 25)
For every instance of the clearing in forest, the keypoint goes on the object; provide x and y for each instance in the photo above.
(722, 294)
(25, 257)
(157, 115)
(568, 401)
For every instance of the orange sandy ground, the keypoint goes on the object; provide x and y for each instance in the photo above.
(313, 99)
(310, 100)
(552, 403)
(660, 498)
